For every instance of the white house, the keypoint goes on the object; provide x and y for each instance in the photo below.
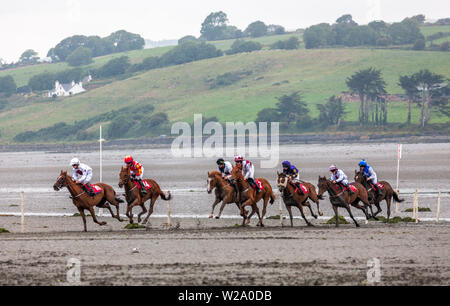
(69, 89)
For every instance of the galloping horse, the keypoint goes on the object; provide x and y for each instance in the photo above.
(292, 198)
(342, 199)
(224, 192)
(133, 194)
(84, 201)
(387, 193)
(248, 196)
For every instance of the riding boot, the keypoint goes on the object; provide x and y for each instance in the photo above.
(299, 188)
(143, 189)
(350, 191)
(90, 190)
(377, 190)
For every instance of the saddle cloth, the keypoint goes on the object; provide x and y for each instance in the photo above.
(260, 185)
(146, 185)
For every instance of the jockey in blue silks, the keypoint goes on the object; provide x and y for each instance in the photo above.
(370, 175)
(293, 174)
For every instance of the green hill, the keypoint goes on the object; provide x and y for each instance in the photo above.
(183, 90)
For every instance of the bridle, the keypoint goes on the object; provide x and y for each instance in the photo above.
(65, 183)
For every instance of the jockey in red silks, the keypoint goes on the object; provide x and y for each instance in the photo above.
(248, 171)
(136, 171)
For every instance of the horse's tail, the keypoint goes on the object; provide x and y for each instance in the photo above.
(272, 196)
(396, 197)
(164, 197)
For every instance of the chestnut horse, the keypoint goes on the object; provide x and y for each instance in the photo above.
(292, 198)
(82, 200)
(387, 193)
(223, 190)
(248, 196)
(341, 198)
(134, 197)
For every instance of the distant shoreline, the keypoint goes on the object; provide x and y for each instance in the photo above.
(166, 142)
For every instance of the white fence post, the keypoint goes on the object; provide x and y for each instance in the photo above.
(169, 221)
(100, 210)
(22, 212)
(281, 209)
(438, 212)
(399, 156)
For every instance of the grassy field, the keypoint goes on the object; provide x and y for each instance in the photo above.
(183, 90)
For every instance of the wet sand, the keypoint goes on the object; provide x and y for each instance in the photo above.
(216, 252)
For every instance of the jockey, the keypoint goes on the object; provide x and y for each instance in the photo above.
(293, 174)
(225, 168)
(370, 175)
(136, 171)
(338, 177)
(248, 171)
(82, 174)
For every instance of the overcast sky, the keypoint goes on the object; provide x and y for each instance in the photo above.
(40, 25)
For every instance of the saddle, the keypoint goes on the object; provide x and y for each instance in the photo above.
(92, 189)
(300, 187)
(147, 186)
(342, 187)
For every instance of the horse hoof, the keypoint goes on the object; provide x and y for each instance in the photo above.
(315, 216)
(217, 217)
(357, 225)
(321, 214)
(210, 216)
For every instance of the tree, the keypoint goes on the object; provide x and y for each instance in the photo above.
(320, 35)
(405, 32)
(289, 44)
(256, 29)
(331, 112)
(63, 49)
(81, 56)
(29, 57)
(42, 81)
(186, 39)
(125, 41)
(369, 85)
(409, 85)
(429, 85)
(346, 19)
(240, 46)
(7, 85)
(214, 25)
(419, 18)
(291, 107)
(419, 44)
(157, 119)
(99, 46)
(273, 29)
(114, 67)
(188, 52)
(268, 115)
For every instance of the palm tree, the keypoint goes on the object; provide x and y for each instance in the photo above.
(370, 86)
(409, 85)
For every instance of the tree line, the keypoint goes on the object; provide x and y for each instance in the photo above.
(430, 91)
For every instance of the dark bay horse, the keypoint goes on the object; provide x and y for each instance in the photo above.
(292, 198)
(134, 197)
(340, 198)
(223, 190)
(83, 201)
(247, 196)
(387, 193)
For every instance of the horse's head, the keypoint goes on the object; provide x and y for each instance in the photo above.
(124, 176)
(281, 181)
(236, 174)
(211, 181)
(61, 181)
(359, 177)
(323, 185)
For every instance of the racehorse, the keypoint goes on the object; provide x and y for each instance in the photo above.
(292, 198)
(386, 193)
(248, 196)
(341, 198)
(82, 200)
(134, 197)
(224, 192)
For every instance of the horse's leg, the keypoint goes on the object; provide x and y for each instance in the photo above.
(130, 209)
(94, 217)
(216, 201)
(313, 196)
(150, 210)
(335, 208)
(144, 210)
(351, 215)
(266, 201)
(299, 206)
(256, 209)
(289, 209)
(310, 209)
(221, 209)
(116, 203)
(388, 202)
(109, 208)
(363, 208)
(81, 210)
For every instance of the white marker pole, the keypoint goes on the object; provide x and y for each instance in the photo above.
(416, 206)
(281, 210)
(169, 221)
(100, 210)
(22, 213)
(438, 213)
(399, 156)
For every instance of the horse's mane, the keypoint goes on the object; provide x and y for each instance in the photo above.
(215, 173)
